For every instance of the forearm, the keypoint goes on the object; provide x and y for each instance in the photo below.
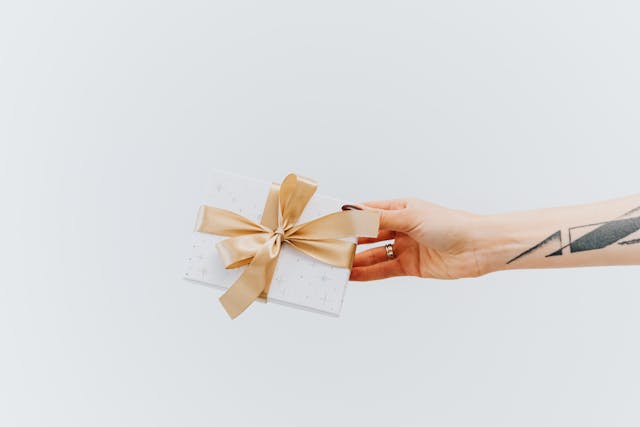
(605, 233)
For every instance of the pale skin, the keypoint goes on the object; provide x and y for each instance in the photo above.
(432, 241)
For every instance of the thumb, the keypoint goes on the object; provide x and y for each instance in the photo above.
(390, 219)
(395, 220)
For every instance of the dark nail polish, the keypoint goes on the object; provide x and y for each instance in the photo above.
(351, 207)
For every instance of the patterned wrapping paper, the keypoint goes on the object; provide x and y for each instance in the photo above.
(299, 280)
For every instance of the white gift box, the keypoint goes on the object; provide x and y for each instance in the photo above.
(299, 280)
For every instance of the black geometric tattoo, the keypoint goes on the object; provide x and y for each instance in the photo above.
(629, 242)
(634, 210)
(603, 235)
(552, 238)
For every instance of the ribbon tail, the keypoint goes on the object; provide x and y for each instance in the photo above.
(253, 281)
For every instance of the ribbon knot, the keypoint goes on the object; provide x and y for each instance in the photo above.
(280, 232)
(258, 245)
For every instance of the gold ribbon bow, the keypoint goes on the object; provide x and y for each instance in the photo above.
(258, 245)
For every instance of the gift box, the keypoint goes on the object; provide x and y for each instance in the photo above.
(299, 279)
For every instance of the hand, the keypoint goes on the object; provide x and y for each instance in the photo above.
(428, 241)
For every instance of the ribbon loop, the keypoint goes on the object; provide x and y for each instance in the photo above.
(295, 193)
(258, 245)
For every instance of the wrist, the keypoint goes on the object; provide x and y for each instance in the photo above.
(489, 243)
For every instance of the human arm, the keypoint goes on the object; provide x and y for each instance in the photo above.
(433, 241)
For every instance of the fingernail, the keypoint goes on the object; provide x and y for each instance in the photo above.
(351, 207)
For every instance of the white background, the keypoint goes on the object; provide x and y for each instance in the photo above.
(113, 113)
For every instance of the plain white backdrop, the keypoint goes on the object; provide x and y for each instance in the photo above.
(113, 113)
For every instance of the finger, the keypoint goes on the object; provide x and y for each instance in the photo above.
(382, 235)
(370, 257)
(394, 204)
(381, 270)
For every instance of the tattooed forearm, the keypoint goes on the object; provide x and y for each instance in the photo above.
(589, 237)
